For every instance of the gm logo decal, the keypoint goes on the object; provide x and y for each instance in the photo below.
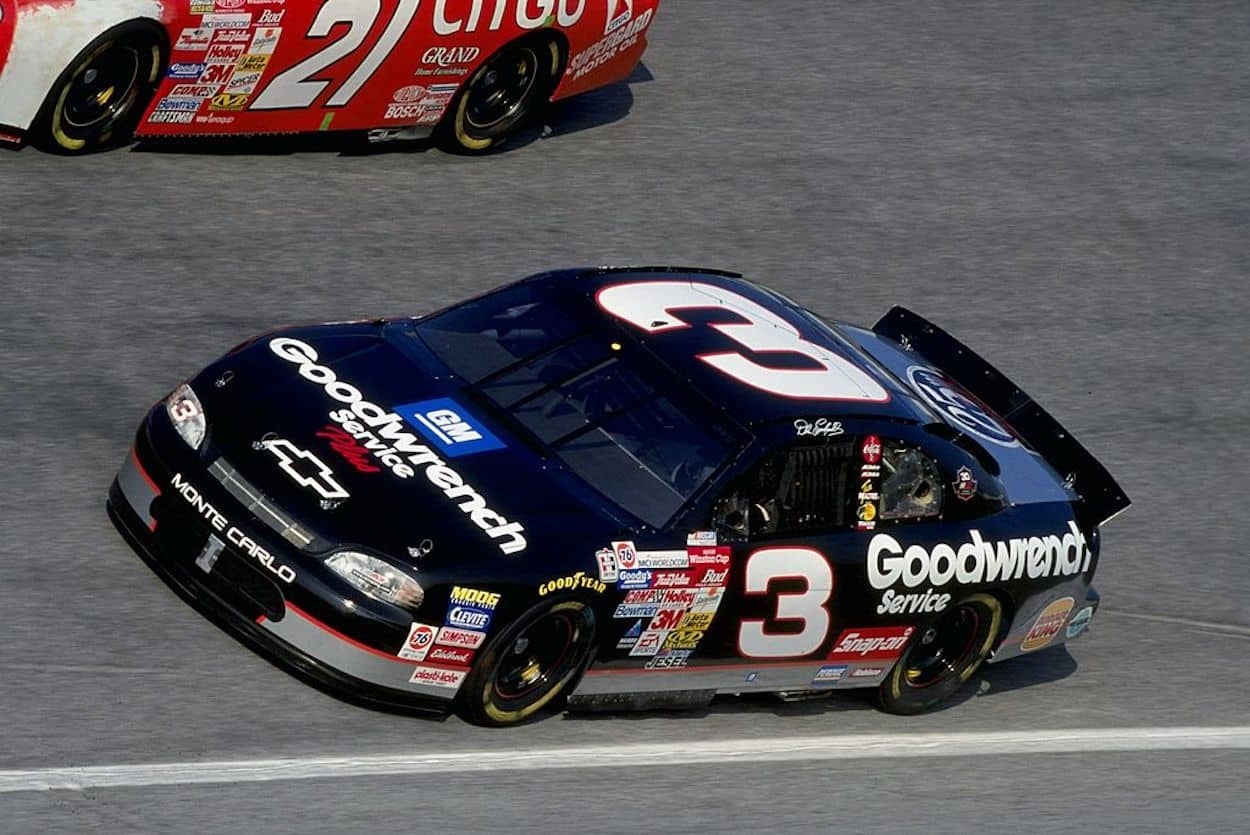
(449, 426)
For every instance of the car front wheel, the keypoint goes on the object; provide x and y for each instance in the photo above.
(941, 658)
(99, 99)
(503, 96)
(529, 664)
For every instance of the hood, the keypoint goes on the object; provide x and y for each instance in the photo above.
(357, 431)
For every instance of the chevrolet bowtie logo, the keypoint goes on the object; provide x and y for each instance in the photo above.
(306, 469)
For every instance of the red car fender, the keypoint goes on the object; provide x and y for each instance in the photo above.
(298, 66)
(39, 39)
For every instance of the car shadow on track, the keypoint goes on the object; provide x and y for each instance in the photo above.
(590, 110)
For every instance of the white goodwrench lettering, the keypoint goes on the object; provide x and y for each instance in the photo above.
(391, 441)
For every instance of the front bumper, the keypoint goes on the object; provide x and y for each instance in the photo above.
(310, 626)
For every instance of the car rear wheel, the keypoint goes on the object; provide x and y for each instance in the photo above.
(528, 665)
(99, 99)
(940, 659)
(503, 96)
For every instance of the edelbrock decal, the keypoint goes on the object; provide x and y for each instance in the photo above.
(382, 432)
(976, 561)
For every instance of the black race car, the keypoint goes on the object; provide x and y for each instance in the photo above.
(620, 488)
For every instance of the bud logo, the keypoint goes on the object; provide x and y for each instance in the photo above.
(268, 18)
(449, 426)
(880, 644)
(420, 638)
(305, 469)
(467, 638)
(452, 655)
(1047, 625)
(712, 577)
(438, 677)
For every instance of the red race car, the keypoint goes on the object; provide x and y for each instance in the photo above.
(78, 75)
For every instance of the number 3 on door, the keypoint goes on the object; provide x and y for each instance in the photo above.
(807, 607)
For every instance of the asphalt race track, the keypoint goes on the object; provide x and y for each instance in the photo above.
(1065, 186)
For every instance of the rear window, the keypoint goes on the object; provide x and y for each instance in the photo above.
(583, 395)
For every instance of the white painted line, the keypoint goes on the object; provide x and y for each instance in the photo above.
(791, 749)
(1228, 628)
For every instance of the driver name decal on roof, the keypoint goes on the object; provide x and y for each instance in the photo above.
(651, 305)
(381, 432)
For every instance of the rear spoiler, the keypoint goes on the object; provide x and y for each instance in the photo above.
(1099, 493)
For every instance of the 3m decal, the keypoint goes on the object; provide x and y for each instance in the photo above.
(650, 306)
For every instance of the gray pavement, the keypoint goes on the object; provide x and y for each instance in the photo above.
(1065, 186)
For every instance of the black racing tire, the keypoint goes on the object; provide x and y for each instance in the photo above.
(504, 95)
(97, 102)
(941, 659)
(529, 665)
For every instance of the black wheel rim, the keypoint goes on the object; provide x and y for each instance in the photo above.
(541, 655)
(104, 90)
(502, 92)
(943, 652)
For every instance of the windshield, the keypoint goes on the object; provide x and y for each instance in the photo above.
(584, 398)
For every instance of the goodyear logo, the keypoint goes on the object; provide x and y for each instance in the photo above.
(580, 580)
